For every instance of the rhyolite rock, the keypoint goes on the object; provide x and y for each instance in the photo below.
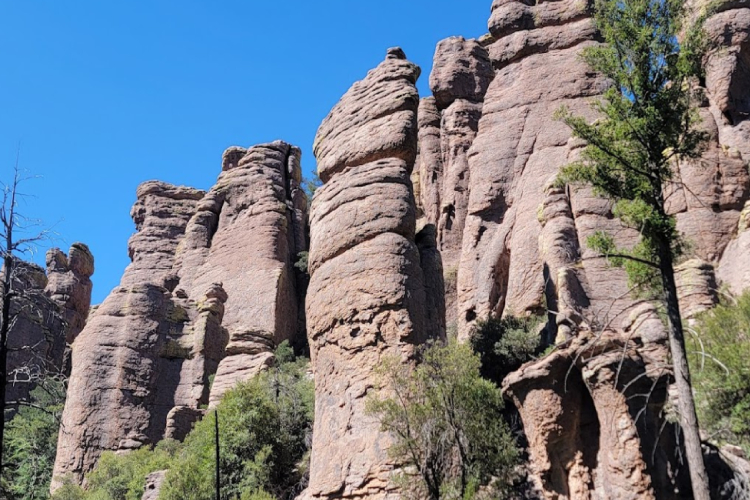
(47, 312)
(366, 298)
(448, 123)
(211, 290)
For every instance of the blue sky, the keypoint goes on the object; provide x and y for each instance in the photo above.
(103, 95)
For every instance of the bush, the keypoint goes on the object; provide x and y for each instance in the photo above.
(31, 443)
(447, 425)
(264, 430)
(503, 345)
(264, 427)
(122, 477)
(718, 354)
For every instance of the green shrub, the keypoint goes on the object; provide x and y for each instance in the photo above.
(447, 425)
(31, 442)
(718, 353)
(505, 344)
(123, 477)
(264, 428)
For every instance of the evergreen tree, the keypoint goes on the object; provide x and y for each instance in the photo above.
(647, 123)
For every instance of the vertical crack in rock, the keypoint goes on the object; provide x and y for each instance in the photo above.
(366, 298)
(448, 124)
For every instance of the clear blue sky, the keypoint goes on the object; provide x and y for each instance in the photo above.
(103, 95)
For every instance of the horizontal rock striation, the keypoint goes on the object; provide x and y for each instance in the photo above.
(366, 298)
(211, 289)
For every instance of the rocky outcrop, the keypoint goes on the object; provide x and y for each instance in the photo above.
(69, 284)
(366, 298)
(591, 414)
(448, 124)
(154, 482)
(211, 289)
(47, 311)
(519, 147)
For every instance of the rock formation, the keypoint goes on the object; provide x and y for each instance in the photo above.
(211, 289)
(48, 312)
(448, 124)
(524, 239)
(366, 298)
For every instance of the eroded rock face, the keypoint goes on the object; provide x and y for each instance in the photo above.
(366, 298)
(211, 289)
(591, 414)
(519, 147)
(49, 310)
(448, 124)
(69, 284)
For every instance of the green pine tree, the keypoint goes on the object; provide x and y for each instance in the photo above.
(648, 121)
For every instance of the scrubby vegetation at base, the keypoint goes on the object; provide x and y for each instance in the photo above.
(30, 444)
(447, 425)
(265, 428)
(719, 354)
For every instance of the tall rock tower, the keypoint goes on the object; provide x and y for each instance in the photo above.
(366, 298)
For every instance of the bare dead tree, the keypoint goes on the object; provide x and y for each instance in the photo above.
(18, 235)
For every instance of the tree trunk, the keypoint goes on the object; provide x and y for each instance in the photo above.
(686, 406)
(4, 328)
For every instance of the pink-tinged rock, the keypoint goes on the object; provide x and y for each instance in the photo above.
(154, 482)
(366, 298)
(510, 16)
(518, 149)
(69, 284)
(448, 124)
(430, 161)
(211, 290)
(376, 119)
(246, 234)
(461, 70)
(587, 439)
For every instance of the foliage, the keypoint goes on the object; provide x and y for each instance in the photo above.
(310, 185)
(503, 345)
(30, 443)
(719, 352)
(447, 424)
(647, 122)
(264, 425)
(302, 261)
(122, 477)
(264, 430)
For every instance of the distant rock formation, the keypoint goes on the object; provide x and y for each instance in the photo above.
(366, 298)
(48, 311)
(211, 289)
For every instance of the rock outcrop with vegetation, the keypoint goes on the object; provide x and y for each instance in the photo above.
(210, 292)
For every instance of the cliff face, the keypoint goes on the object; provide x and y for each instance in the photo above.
(523, 248)
(211, 289)
(432, 211)
(366, 298)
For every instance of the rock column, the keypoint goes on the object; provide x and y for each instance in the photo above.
(366, 297)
